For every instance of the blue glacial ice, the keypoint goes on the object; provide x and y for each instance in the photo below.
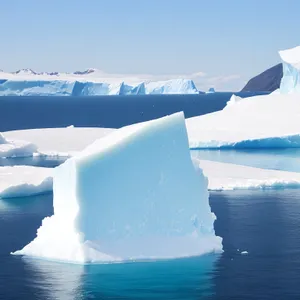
(36, 86)
(290, 81)
(132, 195)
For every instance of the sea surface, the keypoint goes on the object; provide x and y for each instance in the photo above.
(265, 224)
(103, 111)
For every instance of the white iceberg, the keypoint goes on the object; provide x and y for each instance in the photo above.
(22, 181)
(87, 83)
(269, 121)
(174, 86)
(15, 148)
(105, 212)
(290, 81)
(58, 141)
(225, 176)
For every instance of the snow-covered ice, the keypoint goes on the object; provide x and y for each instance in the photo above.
(269, 121)
(134, 194)
(59, 141)
(15, 148)
(22, 181)
(225, 176)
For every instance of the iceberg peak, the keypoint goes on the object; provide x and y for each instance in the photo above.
(290, 81)
(291, 56)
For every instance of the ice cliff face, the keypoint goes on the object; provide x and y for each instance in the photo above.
(290, 81)
(26, 82)
(103, 212)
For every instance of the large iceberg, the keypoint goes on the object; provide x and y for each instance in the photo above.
(134, 194)
(290, 81)
(88, 83)
(269, 121)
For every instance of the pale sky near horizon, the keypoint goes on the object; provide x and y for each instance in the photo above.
(214, 42)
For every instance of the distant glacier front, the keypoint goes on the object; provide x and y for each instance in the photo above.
(45, 87)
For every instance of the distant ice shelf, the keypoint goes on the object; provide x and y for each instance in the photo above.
(91, 82)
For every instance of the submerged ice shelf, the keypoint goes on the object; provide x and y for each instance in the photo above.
(104, 212)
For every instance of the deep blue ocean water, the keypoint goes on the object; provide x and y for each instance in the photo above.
(264, 223)
(103, 111)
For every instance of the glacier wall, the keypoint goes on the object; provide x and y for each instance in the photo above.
(134, 194)
(290, 81)
(40, 87)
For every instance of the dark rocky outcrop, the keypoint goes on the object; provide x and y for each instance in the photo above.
(267, 81)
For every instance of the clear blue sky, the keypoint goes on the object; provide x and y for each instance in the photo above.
(218, 37)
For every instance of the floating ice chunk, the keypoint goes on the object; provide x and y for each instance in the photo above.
(233, 100)
(59, 141)
(224, 176)
(131, 195)
(211, 90)
(258, 122)
(21, 181)
(15, 148)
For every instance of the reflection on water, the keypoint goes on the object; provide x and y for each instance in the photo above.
(267, 225)
(173, 279)
(276, 159)
(27, 278)
(55, 280)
